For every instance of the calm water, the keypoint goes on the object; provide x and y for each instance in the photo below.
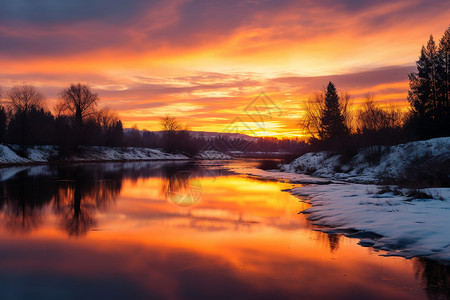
(182, 231)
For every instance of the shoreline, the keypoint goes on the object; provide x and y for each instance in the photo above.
(72, 162)
(398, 225)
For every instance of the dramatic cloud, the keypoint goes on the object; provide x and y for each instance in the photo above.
(205, 60)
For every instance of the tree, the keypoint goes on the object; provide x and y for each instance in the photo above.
(444, 53)
(3, 124)
(23, 98)
(314, 109)
(176, 138)
(27, 115)
(170, 124)
(111, 127)
(423, 93)
(79, 101)
(3, 121)
(313, 113)
(429, 90)
(332, 121)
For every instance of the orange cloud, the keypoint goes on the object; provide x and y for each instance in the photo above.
(205, 61)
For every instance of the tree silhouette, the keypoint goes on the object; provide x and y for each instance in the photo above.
(27, 116)
(444, 74)
(24, 98)
(176, 138)
(429, 89)
(3, 124)
(332, 121)
(79, 102)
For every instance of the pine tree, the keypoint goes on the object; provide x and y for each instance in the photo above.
(444, 78)
(332, 121)
(2, 124)
(424, 93)
(429, 93)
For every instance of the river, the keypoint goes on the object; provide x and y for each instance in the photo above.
(183, 230)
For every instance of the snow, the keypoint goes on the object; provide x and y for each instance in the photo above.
(212, 155)
(282, 176)
(392, 161)
(385, 218)
(400, 225)
(7, 156)
(43, 154)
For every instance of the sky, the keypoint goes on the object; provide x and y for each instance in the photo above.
(243, 66)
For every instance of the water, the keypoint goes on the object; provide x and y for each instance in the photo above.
(182, 231)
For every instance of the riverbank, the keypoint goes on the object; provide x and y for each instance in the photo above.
(49, 154)
(417, 160)
(400, 221)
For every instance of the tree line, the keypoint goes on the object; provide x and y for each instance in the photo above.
(25, 120)
(333, 125)
(175, 137)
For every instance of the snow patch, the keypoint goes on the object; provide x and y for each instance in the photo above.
(212, 155)
(391, 161)
(42, 154)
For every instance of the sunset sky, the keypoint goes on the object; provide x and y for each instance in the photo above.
(205, 61)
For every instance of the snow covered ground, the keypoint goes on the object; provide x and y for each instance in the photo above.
(42, 154)
(212, 155)
(398, 224)
(400, 221)
(373, 162)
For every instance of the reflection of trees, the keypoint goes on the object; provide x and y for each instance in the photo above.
(435, 278)
(22, 200)
(180, 186)
(333, 240)
(77, 192)
(84, 191)
(330, 240)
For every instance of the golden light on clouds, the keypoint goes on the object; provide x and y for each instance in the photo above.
(205, 61)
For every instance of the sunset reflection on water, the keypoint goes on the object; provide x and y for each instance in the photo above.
(111, 230)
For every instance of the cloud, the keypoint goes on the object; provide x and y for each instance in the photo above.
(53, 12)
(205, 60)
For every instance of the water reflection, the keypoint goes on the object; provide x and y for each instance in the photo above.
(333, 240)
(243, 238)
(22, 200)
(181, 186)
(80, 192)
(74, 192)
(435, 278)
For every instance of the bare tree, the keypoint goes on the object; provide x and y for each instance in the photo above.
(23, 98)
(313, 112)
(79, 101)
(170, 124)
(346, 104)
(371, 117)
(106, 118)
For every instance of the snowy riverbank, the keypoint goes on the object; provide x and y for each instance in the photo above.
(375, 163)
(44, 154)
(399, 221)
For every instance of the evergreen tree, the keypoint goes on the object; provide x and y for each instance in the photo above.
(429, 89)
(444, 74)
(3, 120)
(423, 89)
(332, 121)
